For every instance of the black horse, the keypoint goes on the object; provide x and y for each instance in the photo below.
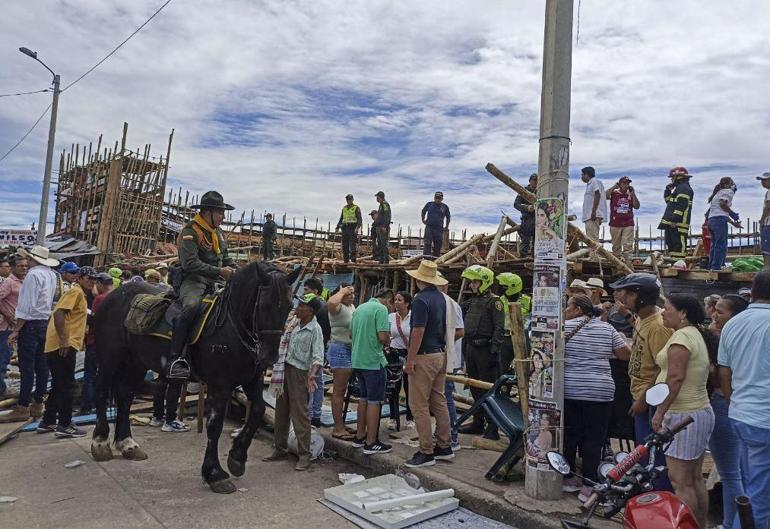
(234, 350)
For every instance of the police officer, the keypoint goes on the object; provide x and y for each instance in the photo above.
(483, 317)
(382, 228)
(676, 219)
(269, 230)
(350, 224)
(511, 286)
(527, 229)
(203, 258)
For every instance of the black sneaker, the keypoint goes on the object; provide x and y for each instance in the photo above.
(69, 432)
(316, 421)
(420, 460)
(45, 428)
(443, 454)
(358, 443)
(377, 448)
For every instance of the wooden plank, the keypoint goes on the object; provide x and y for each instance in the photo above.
(9, 429)
(520, 356)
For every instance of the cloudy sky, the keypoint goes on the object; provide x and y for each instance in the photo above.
(288, 105)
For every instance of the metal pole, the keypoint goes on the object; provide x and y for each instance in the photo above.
(553, 182)
(42, 223)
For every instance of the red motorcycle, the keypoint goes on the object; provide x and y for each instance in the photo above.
(628, 484)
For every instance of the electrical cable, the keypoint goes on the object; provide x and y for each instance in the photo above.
(27, 134)
(137, 30)
(26, 93)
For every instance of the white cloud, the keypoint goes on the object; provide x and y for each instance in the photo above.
(287, 106)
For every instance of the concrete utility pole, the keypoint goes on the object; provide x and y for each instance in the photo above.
(42, 223)
(553, 182)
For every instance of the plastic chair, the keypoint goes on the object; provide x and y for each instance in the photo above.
(506, 414)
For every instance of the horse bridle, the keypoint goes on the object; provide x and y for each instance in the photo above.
(251, 339)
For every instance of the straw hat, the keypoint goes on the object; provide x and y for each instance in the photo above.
(40, 255)
(427, 273)
(595, 282)
(578, 283)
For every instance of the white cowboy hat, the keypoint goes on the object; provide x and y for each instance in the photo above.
(39, 254)
(595, 282)
(578, 283)
(427, 273)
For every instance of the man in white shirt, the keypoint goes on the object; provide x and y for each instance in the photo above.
(32, 314)
(764, 221)
(594, 203)
(455, 333)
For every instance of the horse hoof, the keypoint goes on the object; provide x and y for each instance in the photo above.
(236, 468)
(134, 454)
(101, 450)
(223, 486)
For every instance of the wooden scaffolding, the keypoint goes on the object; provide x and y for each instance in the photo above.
(112, 197)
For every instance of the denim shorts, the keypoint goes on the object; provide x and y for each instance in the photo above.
(338, 355)
(371, 382)
(765, 237)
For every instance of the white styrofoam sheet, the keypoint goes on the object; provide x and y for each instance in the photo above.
(353, 495)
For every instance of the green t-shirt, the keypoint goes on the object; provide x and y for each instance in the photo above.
(369, 319)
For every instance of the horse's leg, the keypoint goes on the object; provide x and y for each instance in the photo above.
(125, 396)
(236, 459)
(100, 444)
(211, 470)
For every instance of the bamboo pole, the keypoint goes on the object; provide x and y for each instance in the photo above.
(459, 249)
(496, 241)
(520, 358)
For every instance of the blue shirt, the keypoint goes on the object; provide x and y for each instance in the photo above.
(744, 347)
(306, 346)
(436, 213)
(429, 311)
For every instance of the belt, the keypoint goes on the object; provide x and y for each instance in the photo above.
(431, 352)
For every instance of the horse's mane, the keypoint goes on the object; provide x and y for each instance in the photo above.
(267, 275)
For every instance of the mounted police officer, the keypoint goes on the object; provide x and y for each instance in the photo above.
(483, 317)
(203, 258)
(511, 286)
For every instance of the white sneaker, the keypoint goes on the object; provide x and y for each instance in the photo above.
(155, 422)
(409, 425)
(175, 426)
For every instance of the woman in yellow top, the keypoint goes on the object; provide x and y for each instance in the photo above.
(684, 366)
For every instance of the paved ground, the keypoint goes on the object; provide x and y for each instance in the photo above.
(165, 491)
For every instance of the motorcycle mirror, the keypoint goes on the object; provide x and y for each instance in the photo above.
(657, 394)
(605, 468)
(619, 457)
(558, 463)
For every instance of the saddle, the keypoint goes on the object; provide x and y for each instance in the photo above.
(153, 315)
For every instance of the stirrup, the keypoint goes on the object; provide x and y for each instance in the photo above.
(179, 369)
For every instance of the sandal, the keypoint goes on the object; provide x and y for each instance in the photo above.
(344, 437)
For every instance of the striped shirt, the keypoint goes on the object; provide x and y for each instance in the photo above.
(587, 374)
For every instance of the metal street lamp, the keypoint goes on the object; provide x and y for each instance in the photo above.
(43, 219)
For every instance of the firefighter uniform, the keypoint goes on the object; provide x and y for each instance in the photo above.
(676, 219)
(483, 316)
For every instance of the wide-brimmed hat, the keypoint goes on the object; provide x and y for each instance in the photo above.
(39, 254)
(427, 273)
(764, 176)
(212, 200)
(578, 283)
(595, 282)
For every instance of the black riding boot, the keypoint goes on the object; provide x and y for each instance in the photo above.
(476, 427)
(178, 367)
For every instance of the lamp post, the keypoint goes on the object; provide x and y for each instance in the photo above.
(43, 219)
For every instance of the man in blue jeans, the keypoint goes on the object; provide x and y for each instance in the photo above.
(314, 286)
(744, 371)
(9, 297)
(32, 313)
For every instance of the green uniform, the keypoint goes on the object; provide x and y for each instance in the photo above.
(506, 349)
(382, 232)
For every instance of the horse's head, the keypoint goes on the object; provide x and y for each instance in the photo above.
(267, 299)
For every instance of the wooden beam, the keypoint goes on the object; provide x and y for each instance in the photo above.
(460, 248)
(492, 252)
(520, 363)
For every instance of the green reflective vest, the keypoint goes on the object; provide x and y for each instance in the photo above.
(526, 307)
(349, 214)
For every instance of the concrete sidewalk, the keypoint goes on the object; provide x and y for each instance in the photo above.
(505, 502)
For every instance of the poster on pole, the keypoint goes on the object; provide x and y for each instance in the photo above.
(18, 237)
(543, 344)
(546, 293)
(543, 433)
(550, 229)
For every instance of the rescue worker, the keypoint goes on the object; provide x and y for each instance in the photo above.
(269, 230)
(676, 218)
(373, 235)
(115, 274)
(203, 258)
(511, 286)
(382, 228)
(527, 229)
(434, 215)
(350, 224)
(483, 317)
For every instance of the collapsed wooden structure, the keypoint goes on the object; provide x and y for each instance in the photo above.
(111, 197)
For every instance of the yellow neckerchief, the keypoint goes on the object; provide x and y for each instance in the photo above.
(201, 222)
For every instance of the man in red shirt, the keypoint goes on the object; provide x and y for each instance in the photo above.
(103, 287)
(9, 297)
(623, 202)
